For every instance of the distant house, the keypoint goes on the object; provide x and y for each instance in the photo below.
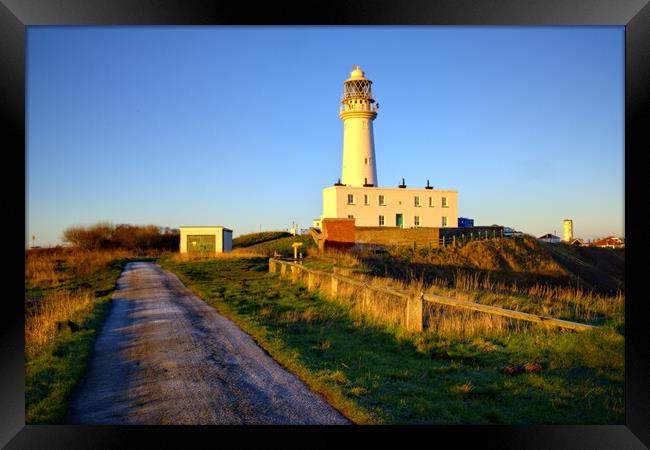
(609, 242)
(550, 238)
(577, 242)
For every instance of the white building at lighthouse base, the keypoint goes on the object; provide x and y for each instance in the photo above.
(391, 207)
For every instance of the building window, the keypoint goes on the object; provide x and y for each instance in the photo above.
(381, 221)
(350, 216)
(444, 221)
(365, 199)
(350, 199)
(416, 221)
(416, 200)
(381, 200)
(366, 160)
(431, 202)
(444, 202)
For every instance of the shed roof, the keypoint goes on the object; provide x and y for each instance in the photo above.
(204, 226)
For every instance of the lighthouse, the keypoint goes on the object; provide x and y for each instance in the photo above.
(357, 111)
(357, 196)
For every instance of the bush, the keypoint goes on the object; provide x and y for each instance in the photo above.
(123, 236)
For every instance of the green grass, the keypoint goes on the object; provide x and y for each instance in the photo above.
(283, 245)
(380, 374)
(246, 240)
(52, 374)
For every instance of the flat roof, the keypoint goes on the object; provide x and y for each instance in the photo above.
(392, 188)
(204, 226)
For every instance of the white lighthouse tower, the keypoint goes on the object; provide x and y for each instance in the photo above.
(358, 110)
(357, 201)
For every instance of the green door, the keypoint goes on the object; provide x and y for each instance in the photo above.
(201, 243)
(399, 220)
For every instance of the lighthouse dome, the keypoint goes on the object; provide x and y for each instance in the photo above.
(356, 72)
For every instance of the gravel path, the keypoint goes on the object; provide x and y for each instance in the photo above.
(165, 357)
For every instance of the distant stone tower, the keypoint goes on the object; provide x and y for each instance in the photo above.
(358, 110)
(568, 230)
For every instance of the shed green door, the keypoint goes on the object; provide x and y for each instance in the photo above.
(201, 243)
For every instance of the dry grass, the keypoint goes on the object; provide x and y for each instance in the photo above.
(554, 301)
(379, 305)
(235, 254)
(51, 314)
(566, 300)
(457, 323)
(53, 266)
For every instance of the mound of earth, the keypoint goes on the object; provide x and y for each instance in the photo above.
(602, 269)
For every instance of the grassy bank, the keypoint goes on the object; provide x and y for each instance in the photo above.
(67, 296)
(380, 374)
(281, 245)
(246, 240)
(513, 274)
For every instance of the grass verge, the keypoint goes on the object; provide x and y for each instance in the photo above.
(379, 374)
(62, 321)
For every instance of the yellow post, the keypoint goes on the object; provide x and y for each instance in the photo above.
(295, 246)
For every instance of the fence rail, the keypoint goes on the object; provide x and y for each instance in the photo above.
(408, 313)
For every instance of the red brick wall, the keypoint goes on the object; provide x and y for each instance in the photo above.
(338, 233)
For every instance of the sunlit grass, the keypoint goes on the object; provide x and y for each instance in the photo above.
(378, 373)
(67, 296)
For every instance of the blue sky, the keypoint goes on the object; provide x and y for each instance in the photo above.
(238, 126)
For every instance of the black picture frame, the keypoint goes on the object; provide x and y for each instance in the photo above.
(16, 15)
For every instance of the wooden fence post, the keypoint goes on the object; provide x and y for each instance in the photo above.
(310, 281)
(414, 314)
(334, 286)
(271, 265)
(294, 273)
(283, 269)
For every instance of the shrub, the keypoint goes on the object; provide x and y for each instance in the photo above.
(123, 236)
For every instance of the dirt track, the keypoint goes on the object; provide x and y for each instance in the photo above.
(165, 357)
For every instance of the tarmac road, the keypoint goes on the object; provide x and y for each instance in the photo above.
(164, 356)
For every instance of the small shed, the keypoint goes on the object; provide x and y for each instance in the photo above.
(205, 239)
